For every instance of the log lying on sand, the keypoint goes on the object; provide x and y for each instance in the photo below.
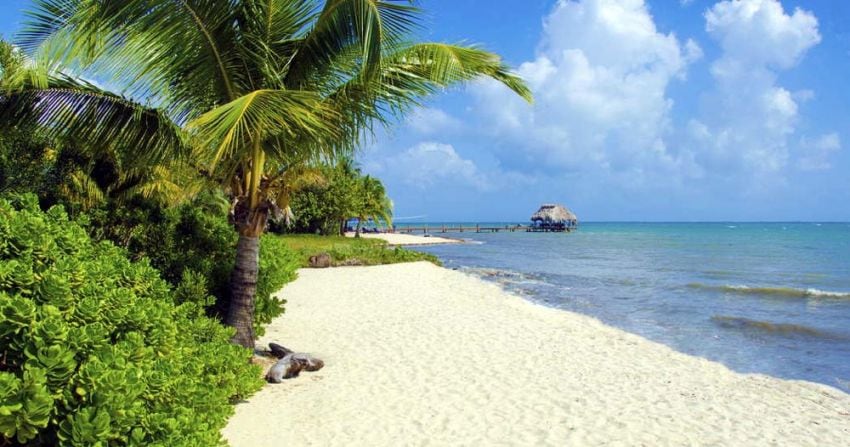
(279, 351)
(307, 361)
(291, 363)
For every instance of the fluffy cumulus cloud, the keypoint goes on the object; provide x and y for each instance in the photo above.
(600, 80)
(602, 77)
(760, 33)
(748, 119)
(604, 121)
(431, 163)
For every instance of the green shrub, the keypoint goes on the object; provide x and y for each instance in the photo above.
(377, 254)
(190, 240)
(278, 265)
(351, 251)
(95, 350)
(195, 241)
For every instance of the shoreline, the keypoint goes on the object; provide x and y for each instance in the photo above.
(408, 240)
(417, 353)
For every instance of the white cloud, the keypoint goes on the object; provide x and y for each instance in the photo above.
(600, 81)
(429, 121)
(431, 163)
(816, 153)
(761, 33)
(748, 118)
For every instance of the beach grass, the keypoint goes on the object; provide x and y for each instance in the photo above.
(352, 251)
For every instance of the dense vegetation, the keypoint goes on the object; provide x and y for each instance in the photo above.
(195, 240)
(351, 251)
(228, 115)
(323, 207)
(247, 91)
(100, 350)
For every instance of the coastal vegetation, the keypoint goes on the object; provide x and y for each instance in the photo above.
(146, 148)
(351, 251)
(324, 207)
(99, 350)
(240, 91)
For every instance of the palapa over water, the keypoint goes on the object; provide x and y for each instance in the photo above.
(553, 217)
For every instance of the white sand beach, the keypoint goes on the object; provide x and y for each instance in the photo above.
(407, 239)
(420, 355)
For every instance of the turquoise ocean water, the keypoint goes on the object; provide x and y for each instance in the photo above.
(771, 298)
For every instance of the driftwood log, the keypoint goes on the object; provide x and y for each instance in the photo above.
(321, 260)
(279, 351)
(291, 363)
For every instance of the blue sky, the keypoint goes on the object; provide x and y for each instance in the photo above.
(645, 110)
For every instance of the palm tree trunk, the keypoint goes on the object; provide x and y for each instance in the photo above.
(243, 288)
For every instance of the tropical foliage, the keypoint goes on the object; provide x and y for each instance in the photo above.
(22, 153)
(344, 193)
(11, 60)
(243, 86)
(351, 251)
(372, 203)
(97, 350)
(195, 239)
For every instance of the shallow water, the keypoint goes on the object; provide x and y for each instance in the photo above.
(770, 298)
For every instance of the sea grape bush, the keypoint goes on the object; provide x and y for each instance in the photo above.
(96, 349)
(278, 266)
(195, 240)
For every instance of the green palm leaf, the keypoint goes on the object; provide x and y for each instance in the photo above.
(73, 109)
(258, 115)
(365, 25)
(420, 68)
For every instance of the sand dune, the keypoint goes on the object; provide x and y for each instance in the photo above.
(420, 355)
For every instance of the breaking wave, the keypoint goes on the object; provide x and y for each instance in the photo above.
(741, 323)
(788, 292)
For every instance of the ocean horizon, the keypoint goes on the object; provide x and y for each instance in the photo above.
(770, 298)
(406, 223)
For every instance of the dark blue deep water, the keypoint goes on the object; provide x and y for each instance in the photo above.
(770, 298)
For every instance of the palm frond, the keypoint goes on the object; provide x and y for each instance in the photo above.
(225, 130)
(422, 68)
(66, 108)
(180, 55)
(165, 184)
(370, 26)
(81, 189)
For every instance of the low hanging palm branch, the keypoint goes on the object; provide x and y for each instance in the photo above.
(166, 185)
(236, 86)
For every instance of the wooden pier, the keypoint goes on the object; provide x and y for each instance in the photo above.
(476, 229)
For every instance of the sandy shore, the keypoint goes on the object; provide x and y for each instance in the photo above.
(407, 239)
(420, 355)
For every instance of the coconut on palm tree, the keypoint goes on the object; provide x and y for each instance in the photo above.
(234, 87)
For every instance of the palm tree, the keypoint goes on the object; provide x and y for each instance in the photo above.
(372, 203)
(235, 86)
(86, 177)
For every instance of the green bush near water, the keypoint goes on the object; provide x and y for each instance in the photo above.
(95, 349)
(351, 251)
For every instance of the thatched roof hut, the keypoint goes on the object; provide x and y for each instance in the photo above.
(553, 217)
(554, 213)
